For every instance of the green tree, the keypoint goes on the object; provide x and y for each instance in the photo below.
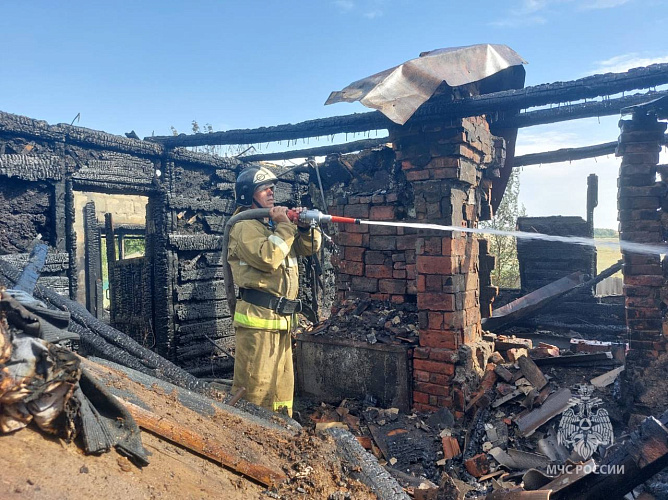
(506, 273)
(605, 233)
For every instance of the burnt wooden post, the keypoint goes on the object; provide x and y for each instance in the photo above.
(71, 240)
(60, 216)
(110, 239)
(93, 261)
(163, 267)
(592, 203)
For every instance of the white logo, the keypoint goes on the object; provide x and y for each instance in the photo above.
(583, 429)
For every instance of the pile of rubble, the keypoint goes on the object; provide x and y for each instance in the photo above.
(542, 420)
(372, 322)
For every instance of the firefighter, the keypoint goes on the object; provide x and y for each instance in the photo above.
(263, 257)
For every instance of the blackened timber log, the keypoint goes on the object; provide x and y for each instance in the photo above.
(569, 154)
(212, 367)
(59, 209)
(598, 331)
(195, 311)
(17, 125)
(320, 127)
(211, 290)
(32, 168)
(566, 154)
(110, 343)
(199, 242)
(531, 302)
(217, 328)
(348, 147)
(181, 155)
(71, 240)
(539, 95)
(195, 352)
(365, 467)
(207, 273)
(55, 262)
(605, 107)
(226, 337)
(215, 204)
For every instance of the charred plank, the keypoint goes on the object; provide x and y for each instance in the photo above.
(539, 95)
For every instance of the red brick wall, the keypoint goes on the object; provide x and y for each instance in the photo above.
(443, 168)
(640, 203)
(374, 262)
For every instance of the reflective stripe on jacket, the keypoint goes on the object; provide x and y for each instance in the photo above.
(265, 259)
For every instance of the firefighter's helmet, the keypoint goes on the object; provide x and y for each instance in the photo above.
(248, 181)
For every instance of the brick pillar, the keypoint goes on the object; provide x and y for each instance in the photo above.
(639, 203)
(444, 164)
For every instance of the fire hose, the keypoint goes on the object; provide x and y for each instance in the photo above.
(311, 217)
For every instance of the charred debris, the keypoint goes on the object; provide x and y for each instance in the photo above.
(420, 380)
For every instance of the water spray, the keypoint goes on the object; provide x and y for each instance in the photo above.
(314, 217)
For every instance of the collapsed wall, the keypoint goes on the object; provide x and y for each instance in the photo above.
(177, 287)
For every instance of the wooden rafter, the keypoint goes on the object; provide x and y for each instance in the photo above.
(497, 102)
(606, 107)
(568, 154)
(347, 147)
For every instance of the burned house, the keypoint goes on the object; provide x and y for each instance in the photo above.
(445, 162)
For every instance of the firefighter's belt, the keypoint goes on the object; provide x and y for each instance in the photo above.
(280, 305)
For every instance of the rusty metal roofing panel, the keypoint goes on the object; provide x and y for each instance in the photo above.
(397, 92)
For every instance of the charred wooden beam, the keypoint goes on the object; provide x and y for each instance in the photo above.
(195, 311)
(164, 263)
(216, 329)
(71, 240)
(605, 107)
(215, 204)
(32, 168)
(348, 147)
(539, 95)
(569, 154)
(121, 171)
(59, 211)
(199, 242)
(212, 367)
(320, 127)
(566, 154)
(202, 445)
(16, 125)
(207, 273)
(22, 126)
(100, 339)
(209, 290)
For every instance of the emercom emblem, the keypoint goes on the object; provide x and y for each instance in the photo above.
(582, 428)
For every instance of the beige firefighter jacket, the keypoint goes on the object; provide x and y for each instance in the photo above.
(266, 260)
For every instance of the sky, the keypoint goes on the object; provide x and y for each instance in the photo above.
(151, 65)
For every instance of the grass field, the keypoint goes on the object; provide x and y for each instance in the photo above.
(607, 256)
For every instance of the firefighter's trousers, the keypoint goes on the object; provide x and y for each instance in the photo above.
(263, 365)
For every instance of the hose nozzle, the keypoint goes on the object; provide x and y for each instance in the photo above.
(314, 217)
